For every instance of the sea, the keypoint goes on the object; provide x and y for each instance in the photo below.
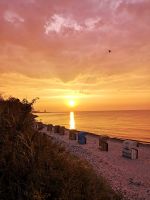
(133, 125)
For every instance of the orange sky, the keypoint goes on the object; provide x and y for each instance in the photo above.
(58, 50)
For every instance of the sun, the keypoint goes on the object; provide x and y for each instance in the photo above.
(71, 103)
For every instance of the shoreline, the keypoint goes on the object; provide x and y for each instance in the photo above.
(130, 177)
(140, 142)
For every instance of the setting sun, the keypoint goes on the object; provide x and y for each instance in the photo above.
(71, 103)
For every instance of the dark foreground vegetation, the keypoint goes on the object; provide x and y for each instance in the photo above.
(33, 167)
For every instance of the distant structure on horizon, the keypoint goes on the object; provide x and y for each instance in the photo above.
(37, 111)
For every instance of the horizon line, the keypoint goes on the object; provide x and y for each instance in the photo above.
(92, 111)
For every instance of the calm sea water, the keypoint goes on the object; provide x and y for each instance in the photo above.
(120, 124)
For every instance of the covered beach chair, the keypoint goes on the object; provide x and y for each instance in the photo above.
(62, 130)
(130, 149)
(103, 144)
(40, 126)
(72, 134)
(56, 128)
(49, 127)
(82, 137)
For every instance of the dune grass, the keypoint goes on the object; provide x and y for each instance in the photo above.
(33, 167)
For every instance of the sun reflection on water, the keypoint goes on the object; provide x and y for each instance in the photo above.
(72, 121)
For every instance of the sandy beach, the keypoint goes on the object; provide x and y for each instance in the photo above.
(131, 177)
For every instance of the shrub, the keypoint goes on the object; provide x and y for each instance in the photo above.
(33, 167)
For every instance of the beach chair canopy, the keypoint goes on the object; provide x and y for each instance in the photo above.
(81, 134)
(103, 138)
(130, 144)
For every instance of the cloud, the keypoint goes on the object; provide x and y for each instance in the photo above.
(13, 17)
(39, 49)
(58, 23)
(91, 23)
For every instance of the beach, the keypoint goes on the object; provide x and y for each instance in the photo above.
(130, 177)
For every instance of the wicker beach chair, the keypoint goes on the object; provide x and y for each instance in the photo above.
(130, 149)
(72, 134)
(82, 137)
(61, 130)
(56, 128)
(49, 127)
(103, 144)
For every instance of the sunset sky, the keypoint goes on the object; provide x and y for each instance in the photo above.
(59, 50)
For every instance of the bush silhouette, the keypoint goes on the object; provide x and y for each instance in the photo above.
(33, 167)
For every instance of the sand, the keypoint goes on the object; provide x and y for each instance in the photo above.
(131, 177)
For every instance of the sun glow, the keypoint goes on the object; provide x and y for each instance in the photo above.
(71, 103)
